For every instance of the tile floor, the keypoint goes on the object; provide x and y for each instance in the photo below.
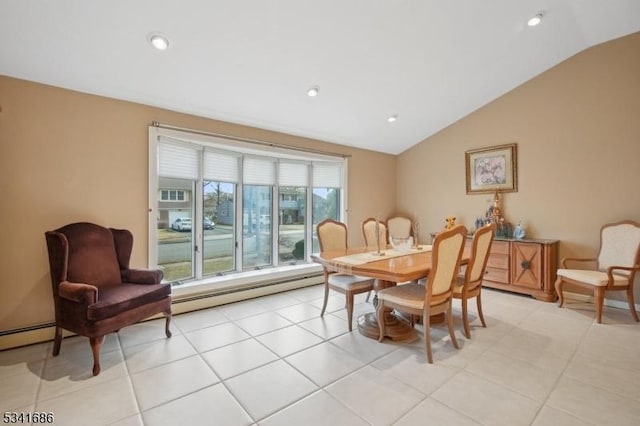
(274, 361)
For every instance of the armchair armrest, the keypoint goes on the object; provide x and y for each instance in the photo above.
(78, 292)
(564, 261)
(629, 270)
(141, 276)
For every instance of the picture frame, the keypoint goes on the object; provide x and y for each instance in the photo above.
(492, 169)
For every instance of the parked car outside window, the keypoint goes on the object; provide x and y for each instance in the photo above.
(208, 223)
(181, 224)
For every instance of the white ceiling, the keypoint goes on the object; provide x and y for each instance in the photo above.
(252, 61)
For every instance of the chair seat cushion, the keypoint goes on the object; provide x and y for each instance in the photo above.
(410, 295)
(115, 299)
(594, 278)
(350, 282)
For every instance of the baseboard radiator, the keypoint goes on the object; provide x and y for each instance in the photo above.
(45, 332)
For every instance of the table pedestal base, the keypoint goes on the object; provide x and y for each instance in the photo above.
(395, 328)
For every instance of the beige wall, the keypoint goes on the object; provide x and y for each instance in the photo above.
(67, 156)
(577, 127)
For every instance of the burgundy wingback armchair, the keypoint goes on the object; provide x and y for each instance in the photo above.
(94, 290)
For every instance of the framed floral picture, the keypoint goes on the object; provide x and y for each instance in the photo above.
(492, 169)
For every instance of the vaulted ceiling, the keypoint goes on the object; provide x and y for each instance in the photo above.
(428, 62)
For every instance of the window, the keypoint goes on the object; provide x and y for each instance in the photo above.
(223, 206)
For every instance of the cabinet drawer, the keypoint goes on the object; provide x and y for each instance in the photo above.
(501, 247)
(497, 274)
(498, 261)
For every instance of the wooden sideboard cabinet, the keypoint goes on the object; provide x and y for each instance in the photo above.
(526, 266)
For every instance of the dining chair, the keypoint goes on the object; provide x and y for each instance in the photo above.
(332, 236)
(399, 227)
(436, 295)
(615, 267)
(369, 233)
(470, 284)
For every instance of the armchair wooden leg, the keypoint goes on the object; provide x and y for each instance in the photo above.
(599, 296)
(96, 344)
(326, 298)
(559, 291)
(632, 304)
(167, 332)
(479, 302)
(57, 341)
(465, 318)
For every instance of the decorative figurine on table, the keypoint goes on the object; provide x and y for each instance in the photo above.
(450, 222)
(519, 233)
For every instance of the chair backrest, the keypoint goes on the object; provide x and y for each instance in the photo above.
(84, 253)
(619, 245)
(332, 235)
(369, 233)
(480, 248)
(447, 253)
(399, 227)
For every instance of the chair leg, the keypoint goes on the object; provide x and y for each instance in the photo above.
(380, 320)
(96, 344)
(326, 298)
(350, 310)
(479, 302)
(450, 324)
(599, 299)
(632, 304)
(57, 341)
(559, 291)
(426, 321)
(465, 318)
(167, 332)
(368, 296)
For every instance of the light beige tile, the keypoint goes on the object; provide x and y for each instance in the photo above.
(317, 409)
(277, 301)
(102, 404)
(144, 332)
(377, 397)
(336, 302)
(362, 347)
(262, 323)
(520, 376)
(212, 405)
(618, 345)
(300, 312)
(217, 336)
(324, 363)
(135, 420)
(430, 411)
(486, 402)
(153, 354)
(594, 404)
(289, 340)
(17, 361)
(327, 326)
(161, 384)
(64, 374)
(238, 310)
(191, 321)
(18, 390)
(308, 293)
(238, 357)
(79, 346)
(549, 416)
(411, 367)
(269, 388)
(606, 375)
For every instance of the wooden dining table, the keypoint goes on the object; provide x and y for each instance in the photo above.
(389, 267)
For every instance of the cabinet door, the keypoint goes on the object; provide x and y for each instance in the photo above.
(526, 265)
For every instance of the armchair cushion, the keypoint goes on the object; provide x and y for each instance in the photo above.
(113, 300)
(595, 278)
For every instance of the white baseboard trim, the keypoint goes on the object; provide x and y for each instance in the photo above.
(46, 332)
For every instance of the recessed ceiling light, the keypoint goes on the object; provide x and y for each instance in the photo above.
(313, 91)
(535, 20)
(159, 41)
(393, 118)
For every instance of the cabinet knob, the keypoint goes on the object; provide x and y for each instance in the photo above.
(525, 264)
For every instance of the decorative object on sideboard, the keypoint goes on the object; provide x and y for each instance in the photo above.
(450, 222)
(518, 232)
(492, 169)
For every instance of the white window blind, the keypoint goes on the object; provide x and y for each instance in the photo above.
(293, 174)
(221, 167)
(327, 175)
(177, 161)
(259, 171)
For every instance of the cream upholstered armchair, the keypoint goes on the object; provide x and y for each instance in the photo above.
(332, 236)
(615, 267)
(436, 296)
(469, 285)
